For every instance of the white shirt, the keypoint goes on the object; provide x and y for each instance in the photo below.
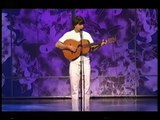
(76, 36)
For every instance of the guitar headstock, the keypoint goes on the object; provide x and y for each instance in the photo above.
(109, 40)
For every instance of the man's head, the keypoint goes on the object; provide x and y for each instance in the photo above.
(78, 23)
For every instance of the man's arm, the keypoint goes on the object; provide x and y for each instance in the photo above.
(95, 47)
(62, 46)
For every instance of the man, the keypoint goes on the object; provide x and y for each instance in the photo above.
(75, 65)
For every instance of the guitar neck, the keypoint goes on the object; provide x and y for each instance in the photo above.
(104, 42)
(99, 43)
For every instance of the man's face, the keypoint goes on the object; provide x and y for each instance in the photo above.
(79, 27)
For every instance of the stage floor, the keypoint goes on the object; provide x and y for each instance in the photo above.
(96, 104)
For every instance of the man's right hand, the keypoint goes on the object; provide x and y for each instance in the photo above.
(73, 49)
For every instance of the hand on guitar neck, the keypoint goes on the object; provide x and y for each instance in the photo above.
(95, 46)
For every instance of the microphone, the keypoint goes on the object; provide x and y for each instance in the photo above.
(81, 34)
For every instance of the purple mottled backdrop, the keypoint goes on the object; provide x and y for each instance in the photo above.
(33, 67)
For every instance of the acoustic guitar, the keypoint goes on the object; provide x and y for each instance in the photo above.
(83, 47)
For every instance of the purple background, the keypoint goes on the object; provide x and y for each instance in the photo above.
(33, 67)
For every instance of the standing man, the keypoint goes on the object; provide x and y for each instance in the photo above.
(78, 34)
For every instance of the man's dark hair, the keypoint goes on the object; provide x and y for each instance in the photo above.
(77, 20)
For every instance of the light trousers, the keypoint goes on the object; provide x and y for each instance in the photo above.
(75, 81)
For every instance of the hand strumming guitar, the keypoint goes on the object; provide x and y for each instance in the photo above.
(72, 48)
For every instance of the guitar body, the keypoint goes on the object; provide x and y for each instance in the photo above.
(73, 55)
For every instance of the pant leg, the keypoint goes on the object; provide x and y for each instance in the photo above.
(86, 99)
(74, 81)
